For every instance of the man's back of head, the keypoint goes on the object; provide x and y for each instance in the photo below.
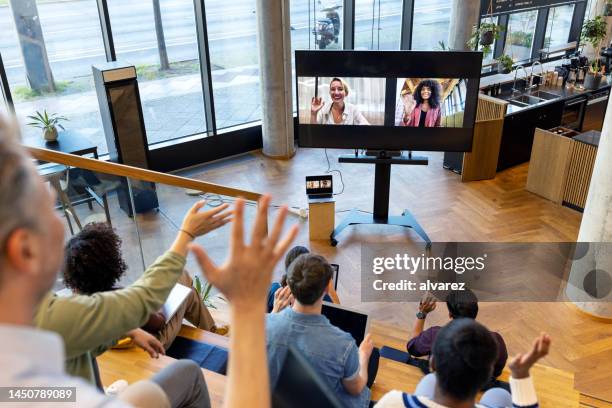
(463, 356)
(308, 277)
(462, 303)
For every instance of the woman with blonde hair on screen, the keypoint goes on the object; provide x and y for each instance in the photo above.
(338, 112)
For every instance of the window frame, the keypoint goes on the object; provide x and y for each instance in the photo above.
(216, 143)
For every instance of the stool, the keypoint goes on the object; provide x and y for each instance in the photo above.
(321, 219)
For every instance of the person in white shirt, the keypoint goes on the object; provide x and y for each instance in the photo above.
(338, 112)
(31, 252)
(462, 359)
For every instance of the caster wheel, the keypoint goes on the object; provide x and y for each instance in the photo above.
(333, 242)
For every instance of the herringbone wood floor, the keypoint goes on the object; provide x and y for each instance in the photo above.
(496, 210)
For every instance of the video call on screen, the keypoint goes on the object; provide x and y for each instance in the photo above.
(418, 102)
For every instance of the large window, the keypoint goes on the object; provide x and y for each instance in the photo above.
(520, 33)
(62, 39)
(316, 25)
(3, 108)
(558, 26)
(234, 54)
(431, 24)
(48, 49)
(378, 24)
(159, 38)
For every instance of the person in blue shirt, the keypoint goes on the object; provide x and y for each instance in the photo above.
(283, 297)
(331, 352)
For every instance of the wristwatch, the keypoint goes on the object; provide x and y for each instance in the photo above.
(421, 315)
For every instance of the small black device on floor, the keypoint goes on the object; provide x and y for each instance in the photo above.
(319, 188)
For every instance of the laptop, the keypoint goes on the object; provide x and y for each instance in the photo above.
(349, 320)
(299, 385)
(320, 188)
(175, 300)
(335, 270)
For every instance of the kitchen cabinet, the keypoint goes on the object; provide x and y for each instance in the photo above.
(519, 128)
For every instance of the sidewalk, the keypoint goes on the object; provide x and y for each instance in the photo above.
(172, 107)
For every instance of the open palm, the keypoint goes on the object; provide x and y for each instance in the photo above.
(245, 275)
(316, 104)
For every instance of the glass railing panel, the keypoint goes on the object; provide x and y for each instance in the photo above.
(85, 197)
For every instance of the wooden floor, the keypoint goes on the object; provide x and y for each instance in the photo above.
(498, 210)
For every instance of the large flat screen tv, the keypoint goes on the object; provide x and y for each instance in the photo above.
(387, 100)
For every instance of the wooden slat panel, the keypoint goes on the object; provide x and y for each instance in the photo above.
(137, 173)
(481, 162)
(548, 167)
(490, 108)
(582, 162)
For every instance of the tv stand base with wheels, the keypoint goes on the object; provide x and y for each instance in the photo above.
(382, 185)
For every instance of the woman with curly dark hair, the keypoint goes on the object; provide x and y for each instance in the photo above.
(93, 263)
(425, 110)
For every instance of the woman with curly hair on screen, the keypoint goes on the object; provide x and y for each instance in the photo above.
(425, 110)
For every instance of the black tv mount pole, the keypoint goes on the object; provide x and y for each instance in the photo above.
(382, 185)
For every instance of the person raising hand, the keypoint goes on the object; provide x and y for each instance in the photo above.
(244, 279)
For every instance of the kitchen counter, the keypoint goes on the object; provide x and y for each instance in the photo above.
(506, 78)
(591, 137)
(563, 93)
(521, 121)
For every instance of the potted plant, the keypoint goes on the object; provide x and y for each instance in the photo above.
(484, 35)
(48, 123)
(504, 64)
(594, 32)
(204, 292)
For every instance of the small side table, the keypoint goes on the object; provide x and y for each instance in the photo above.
(71, 142)
(321, 219)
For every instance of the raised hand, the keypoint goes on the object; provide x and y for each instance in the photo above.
(521, 363)
(245, 276)
(316, 104)
(427, 304)
(282, 299)
(409, 105)
(197, 223)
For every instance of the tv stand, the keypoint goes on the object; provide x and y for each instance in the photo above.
(382, 186)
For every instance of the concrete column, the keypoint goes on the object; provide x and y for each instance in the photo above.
(464, 16)
(590, 278)
(274, 41)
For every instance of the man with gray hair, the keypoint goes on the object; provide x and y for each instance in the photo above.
(31, 252)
